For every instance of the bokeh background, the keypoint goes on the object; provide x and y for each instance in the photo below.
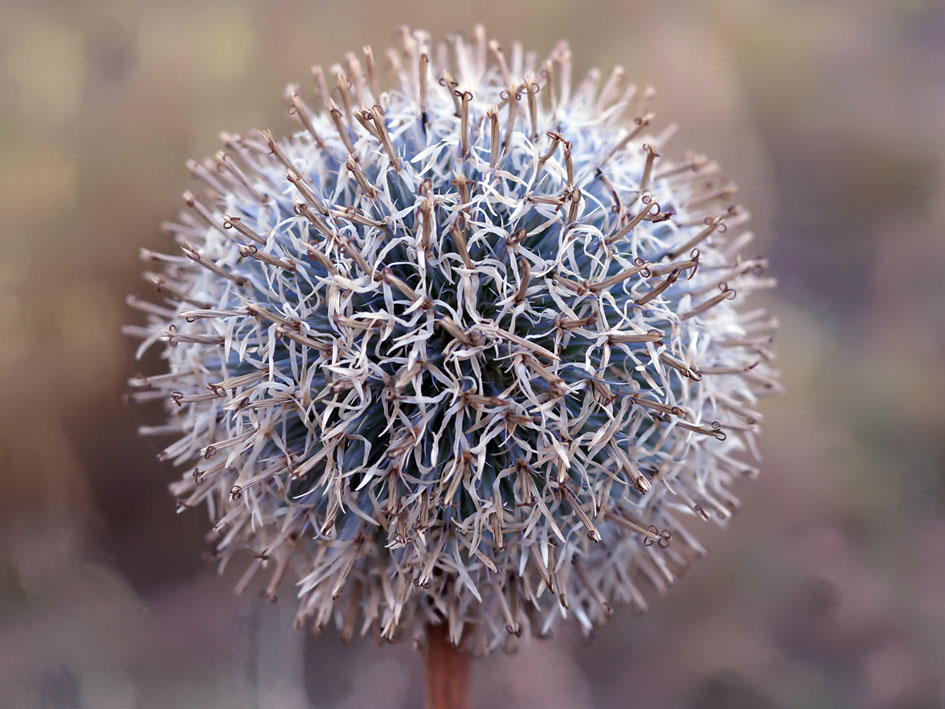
(827, 590)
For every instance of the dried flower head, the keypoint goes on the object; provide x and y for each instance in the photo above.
(468, 350)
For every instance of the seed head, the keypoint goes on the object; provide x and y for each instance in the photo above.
(470, 350)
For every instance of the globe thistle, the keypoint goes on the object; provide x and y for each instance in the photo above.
(469, 350)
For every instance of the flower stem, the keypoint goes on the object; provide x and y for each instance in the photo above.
(447, 671)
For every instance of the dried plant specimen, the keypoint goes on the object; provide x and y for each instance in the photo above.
(470, 349)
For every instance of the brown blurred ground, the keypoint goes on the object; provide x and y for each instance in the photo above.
(828, 590)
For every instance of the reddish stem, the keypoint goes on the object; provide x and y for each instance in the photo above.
(447, 671)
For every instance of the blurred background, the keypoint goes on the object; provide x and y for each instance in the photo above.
(827, 590)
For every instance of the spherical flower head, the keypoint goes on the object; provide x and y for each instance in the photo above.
(470, 350)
